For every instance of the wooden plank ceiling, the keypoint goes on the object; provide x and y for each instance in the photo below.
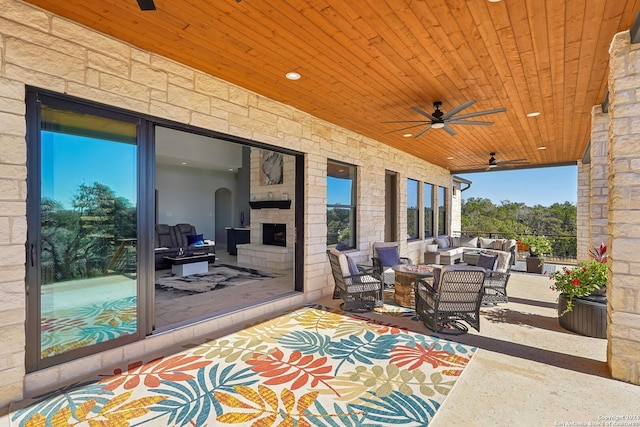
(367, 62)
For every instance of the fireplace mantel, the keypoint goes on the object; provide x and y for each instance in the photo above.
(270, 204)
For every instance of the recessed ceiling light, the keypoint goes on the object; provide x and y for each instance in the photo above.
(534, 114)
(292, 75)
(542, 147)
(495, 1)
(183, 163)
(407, 135)
(450, 158)
(231, 170)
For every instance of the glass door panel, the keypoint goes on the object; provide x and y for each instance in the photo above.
(88, 230)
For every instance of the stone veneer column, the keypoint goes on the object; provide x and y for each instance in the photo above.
(598, 179)
(583, 210)
(623, 352)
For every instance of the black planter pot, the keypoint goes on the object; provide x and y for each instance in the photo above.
(534, 264)
(588, 317)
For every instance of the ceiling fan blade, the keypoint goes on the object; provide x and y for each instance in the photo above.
(408, 121)
(481, 113)
(422, 131)
(408, 127)
(459, 108)
(448, 129)
(468, 122)
(146, 5)
(515, 161)
(424, 113)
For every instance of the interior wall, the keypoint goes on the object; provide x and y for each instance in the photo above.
(187, 195)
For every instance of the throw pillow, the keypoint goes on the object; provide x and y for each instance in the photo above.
(497, 245)
(195, 239)
(487, 243)
(454, 242)
(353, 267)
(508, 244)
(487, 261)
(469, 242)
(388, 256)
(443, 242)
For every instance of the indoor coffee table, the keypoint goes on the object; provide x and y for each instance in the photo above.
(190, 264)
(406, 275)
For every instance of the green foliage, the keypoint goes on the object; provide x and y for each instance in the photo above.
(538, 245)
(338, 225)
(511, 220)
(78, 242)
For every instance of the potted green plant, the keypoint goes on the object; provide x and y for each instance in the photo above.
(583, 289)
(538, 247)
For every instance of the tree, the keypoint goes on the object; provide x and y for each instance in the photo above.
(510, 220)
(78, 240)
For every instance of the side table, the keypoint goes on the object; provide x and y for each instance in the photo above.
(432, 258)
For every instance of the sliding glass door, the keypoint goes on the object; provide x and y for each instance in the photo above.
(83, 231)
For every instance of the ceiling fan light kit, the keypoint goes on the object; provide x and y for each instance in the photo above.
(440, 120)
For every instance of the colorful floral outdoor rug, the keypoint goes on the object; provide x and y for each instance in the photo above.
(76, 327)
(312, 367)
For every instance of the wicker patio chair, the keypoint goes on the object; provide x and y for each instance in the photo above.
(455, 296)
(359, 292)
(385, 256)
(496, 278)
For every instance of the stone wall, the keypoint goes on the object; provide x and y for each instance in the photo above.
(623, 352)
(599, 179)
(40, 49)
(583, 207)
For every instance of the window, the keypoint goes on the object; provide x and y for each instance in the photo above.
(442, 210)
(341, 205)
(83, 228)
(428, 209)
(412, 209)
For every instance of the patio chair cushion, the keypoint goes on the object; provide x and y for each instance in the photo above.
(487, 261)
(389, 256)
(353, 267)
(443, 242)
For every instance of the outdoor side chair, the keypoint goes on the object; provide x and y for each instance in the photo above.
(455, 296)
(497, 278)
(360, 291)
(386, 255)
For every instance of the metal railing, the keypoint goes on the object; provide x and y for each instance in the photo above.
(564, 246)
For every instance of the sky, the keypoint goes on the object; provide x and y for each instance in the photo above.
(68, 161)
(539, 186)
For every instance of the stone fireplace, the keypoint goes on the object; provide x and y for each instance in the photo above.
(274, 234)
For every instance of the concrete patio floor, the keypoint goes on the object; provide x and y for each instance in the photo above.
(528, 371)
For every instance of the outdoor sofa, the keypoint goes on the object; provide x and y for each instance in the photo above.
(454, 250)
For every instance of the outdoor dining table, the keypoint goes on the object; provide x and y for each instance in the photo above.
(406, 276)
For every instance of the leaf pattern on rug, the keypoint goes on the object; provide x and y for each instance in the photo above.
(417, 356)
(311, 367)
(170, 369)
(297, 368)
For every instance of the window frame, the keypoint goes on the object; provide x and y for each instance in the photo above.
(352, 207)
(416, 215)
(442, 211)
(428, 219)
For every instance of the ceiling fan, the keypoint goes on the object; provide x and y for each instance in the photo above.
(440, 120)
(146, 5)
(494, 163)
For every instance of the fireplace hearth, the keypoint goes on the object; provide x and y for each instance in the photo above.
(274, 234)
